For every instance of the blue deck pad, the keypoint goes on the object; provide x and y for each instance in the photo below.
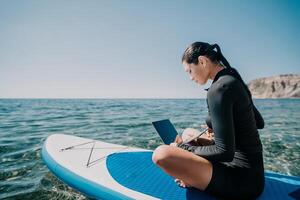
(135, 170)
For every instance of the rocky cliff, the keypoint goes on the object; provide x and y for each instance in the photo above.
(282, 86)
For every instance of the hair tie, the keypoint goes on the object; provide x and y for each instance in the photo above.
(219, 53)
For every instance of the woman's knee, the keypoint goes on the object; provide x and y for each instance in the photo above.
(161, 154)
(189, 133)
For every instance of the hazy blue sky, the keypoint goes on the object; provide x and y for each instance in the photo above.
(133, 48)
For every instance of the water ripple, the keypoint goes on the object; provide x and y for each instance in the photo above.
(24, 125)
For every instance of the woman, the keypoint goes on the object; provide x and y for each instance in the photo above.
(231, 167)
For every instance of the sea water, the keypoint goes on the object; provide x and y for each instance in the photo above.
(26, 123)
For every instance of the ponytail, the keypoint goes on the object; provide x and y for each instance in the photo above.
(232, 71)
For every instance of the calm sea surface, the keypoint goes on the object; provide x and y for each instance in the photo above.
(25, 124)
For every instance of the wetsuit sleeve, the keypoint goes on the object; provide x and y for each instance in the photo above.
(220, 102)
(260, 124)
(208, 119)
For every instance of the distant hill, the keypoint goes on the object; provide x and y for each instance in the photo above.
(282, 86)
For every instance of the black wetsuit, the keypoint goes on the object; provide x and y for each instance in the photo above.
(236, 156)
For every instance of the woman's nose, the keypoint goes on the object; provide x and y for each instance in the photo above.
(192, 78)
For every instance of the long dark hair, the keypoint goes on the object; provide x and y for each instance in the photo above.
(197, 49)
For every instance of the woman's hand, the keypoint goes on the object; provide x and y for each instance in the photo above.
(177, 141)
(209, 134)
(173, 144)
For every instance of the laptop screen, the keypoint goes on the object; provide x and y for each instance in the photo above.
(166, 130)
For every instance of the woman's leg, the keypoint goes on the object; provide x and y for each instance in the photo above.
(186, 166)
(189, 133)
(203, 140)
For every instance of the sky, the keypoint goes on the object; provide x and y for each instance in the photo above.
(133, 48)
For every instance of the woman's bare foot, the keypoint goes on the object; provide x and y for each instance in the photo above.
(181, 183)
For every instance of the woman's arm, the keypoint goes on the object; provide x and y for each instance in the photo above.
(208, 119)
(220, 101)
(260, 124)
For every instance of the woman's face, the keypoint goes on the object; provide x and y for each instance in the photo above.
(198, 73)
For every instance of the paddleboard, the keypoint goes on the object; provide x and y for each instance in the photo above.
(109, 171)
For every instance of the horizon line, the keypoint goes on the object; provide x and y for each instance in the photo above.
(122, 98)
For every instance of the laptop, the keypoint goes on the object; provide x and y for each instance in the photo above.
(168, 133)
(166, 130)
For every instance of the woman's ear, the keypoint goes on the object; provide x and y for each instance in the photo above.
(202, 60)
